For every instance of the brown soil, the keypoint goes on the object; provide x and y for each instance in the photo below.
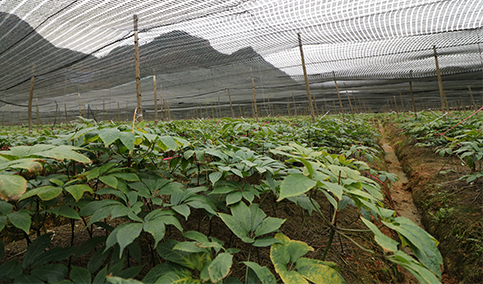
(451, 210)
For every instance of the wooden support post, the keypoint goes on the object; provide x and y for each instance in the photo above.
(288, 107)
(240, 110)
(231, 105)
(39, 121)
(169, 115)
(316, 108)
(80, 110)
(338, 93)
(472, 99)
(444, 104)
(155, 101)
(349, 99)
(212, 110)
(66, 116)
(411, 91)
(395, 104)
(219, 107)
(162, 101)
(294, 105)
(325, 104)
(402, 103)
(306, 79)
(335, 108)
(255, 111)
(31, 96)
(138, 72)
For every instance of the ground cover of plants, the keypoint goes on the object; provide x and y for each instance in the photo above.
(446, 181)
(205, 201)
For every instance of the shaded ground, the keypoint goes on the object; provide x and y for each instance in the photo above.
(451, 210)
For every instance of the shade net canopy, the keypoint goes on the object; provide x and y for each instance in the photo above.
(204, 53)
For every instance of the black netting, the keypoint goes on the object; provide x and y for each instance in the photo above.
(201, 50)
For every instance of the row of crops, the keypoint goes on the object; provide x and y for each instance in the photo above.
(135, 187)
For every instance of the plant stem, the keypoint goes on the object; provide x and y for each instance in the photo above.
(331, 237)
(303, 223)
(354, 242)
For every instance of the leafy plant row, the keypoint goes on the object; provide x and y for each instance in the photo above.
(139, 183)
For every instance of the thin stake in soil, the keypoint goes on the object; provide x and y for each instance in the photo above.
(138, 72)
(338, 93)
(231, 105)
(31, 95)
(155, 101)
(307, 87)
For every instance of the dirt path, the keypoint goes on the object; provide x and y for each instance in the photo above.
(403, 199)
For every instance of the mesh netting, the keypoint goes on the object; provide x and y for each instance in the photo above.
(201, 51)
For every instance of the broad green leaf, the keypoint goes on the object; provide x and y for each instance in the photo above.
(268, 225)
(63, 152)
(263, 273)
(3, 222)
(77, 190)
(127, 234)
(265, 241)
(12, 186)
(190, 247)
(336, 189)
(292, 277)
(318, 272)
(5, 207)
(93, 206)
(182, 209)
(119, 280)
(109, 180)
(26, 279)
(214, 177)
(45, 192)
(126, 176)
(288, 251)
(384, 241)
(80, 275)
(156, 228)
(237, 227)
(233, 198)
(56, 253)
(127, 138)
(422, 274)
(220, 267)
(169, 142)
(189, 260)
(109, 135)
(196, 236)
(21, 220)
(30, 164)
(295, 184)
(35, 249)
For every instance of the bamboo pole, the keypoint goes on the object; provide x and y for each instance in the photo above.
(31, 96)
(288, 107)
(80, 110)
(39, 121)
(349, 99)
(155, 101)
(315, 106)
(338, 93)
(240, 109)
(219, 107)
(161, 100)
(335, 108)
(212, 110)
(65, 111)
(325, 104)
(138, 71)
(395, 104)
(170, 115)
(411, 91)
(472, 98)
(254, 99)
(307, 87)
(294, 105)
(231, 105)
(402, 103)
(444, 104)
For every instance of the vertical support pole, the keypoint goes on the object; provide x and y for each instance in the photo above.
(138, 72)
(255, 111)
(9, 117)
(444, 105)
(80, 110)
(103, 109)
(240, 110)
(306, 79)
(395, 104)
(162, 101)
(335, 108)
(402, 103)
(39, 122)
(411, 91)
(65, 111)
(325, 104)
(231, 105)
(472, 98)
(315, 106)
(169, 115)
(338, 93)
(155, 101)
(349, 99)
(288, 108)
(219, 107)
(118, 112)
(212, 110)
(294, 105)
(31, 96)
